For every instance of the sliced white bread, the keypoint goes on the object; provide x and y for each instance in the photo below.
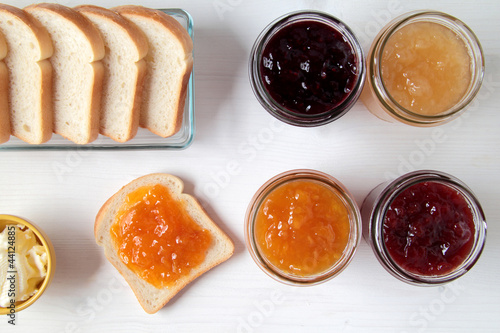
(151, 298)
(30, 75)
(169, 62)
(78, 72)
(4, 95)
(124, 72)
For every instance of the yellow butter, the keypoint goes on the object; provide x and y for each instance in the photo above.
(29, 264)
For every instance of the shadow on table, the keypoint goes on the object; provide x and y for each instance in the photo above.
(78, 257)
(219, 57)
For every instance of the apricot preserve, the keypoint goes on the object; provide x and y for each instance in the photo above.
(307, 68)
(303, 228)
(429, 229)
(156, 238)
(425, 227)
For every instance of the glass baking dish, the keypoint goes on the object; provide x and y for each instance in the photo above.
(144, 138)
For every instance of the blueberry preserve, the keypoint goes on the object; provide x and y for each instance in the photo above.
(308, 67)
(429, 229)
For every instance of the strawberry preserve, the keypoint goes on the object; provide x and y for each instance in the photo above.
(429, 229)
(425, 228)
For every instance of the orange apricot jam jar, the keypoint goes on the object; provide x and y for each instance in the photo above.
(156, 238)
(423, 69)
(302, 227)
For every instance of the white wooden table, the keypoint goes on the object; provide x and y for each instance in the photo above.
(237, 147)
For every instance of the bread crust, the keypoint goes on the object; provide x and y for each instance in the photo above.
(83, 24)
(95, 105)
(44, 40)
(4, 102)
(139, 92)
(176, 29)
(41, 113)
(139, 45)
(91, 110)
(164, 19)
(4, 95)
(105, 218)
(135, 34)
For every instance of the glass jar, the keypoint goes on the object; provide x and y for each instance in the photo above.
(379, 226)
(346, 224)
(315, 80)
(376, 95)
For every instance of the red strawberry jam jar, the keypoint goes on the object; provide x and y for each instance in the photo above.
(425, 228)
(307, 68)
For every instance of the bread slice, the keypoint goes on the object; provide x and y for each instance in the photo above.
(78, 72)
(30, 75)
(151, 298)
(169, 62)
(124, 72)
(4, 96)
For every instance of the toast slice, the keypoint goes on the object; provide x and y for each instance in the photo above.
(150, 297)
(4, 96)
(30, 75)
(124, 72)
(78, 72)
(169, 63)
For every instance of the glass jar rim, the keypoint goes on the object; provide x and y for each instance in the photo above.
(391, 192)
(354, 222)
(268, 102)
(461, 30)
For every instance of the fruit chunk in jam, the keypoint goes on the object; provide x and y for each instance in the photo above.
(426, 68)
(429, 229)
(302, 228)
(308, 67)
(156, 238)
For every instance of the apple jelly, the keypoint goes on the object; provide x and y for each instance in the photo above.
(156, 238)
(426, 68)
(423, 69)
(302, 227)
(307, 68)
(425, 227)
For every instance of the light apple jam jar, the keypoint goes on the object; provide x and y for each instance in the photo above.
(302, 227)
(423, 69)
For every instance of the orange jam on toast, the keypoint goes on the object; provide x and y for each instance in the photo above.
(156, 238)
(302, 228)
(426, 68)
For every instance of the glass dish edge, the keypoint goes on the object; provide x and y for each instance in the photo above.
(179, 141)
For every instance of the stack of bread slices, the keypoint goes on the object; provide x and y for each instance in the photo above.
(81, 71)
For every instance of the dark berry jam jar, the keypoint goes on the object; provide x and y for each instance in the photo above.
(425, 228)
(307, 68)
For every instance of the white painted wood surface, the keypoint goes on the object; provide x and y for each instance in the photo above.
(237, 147)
